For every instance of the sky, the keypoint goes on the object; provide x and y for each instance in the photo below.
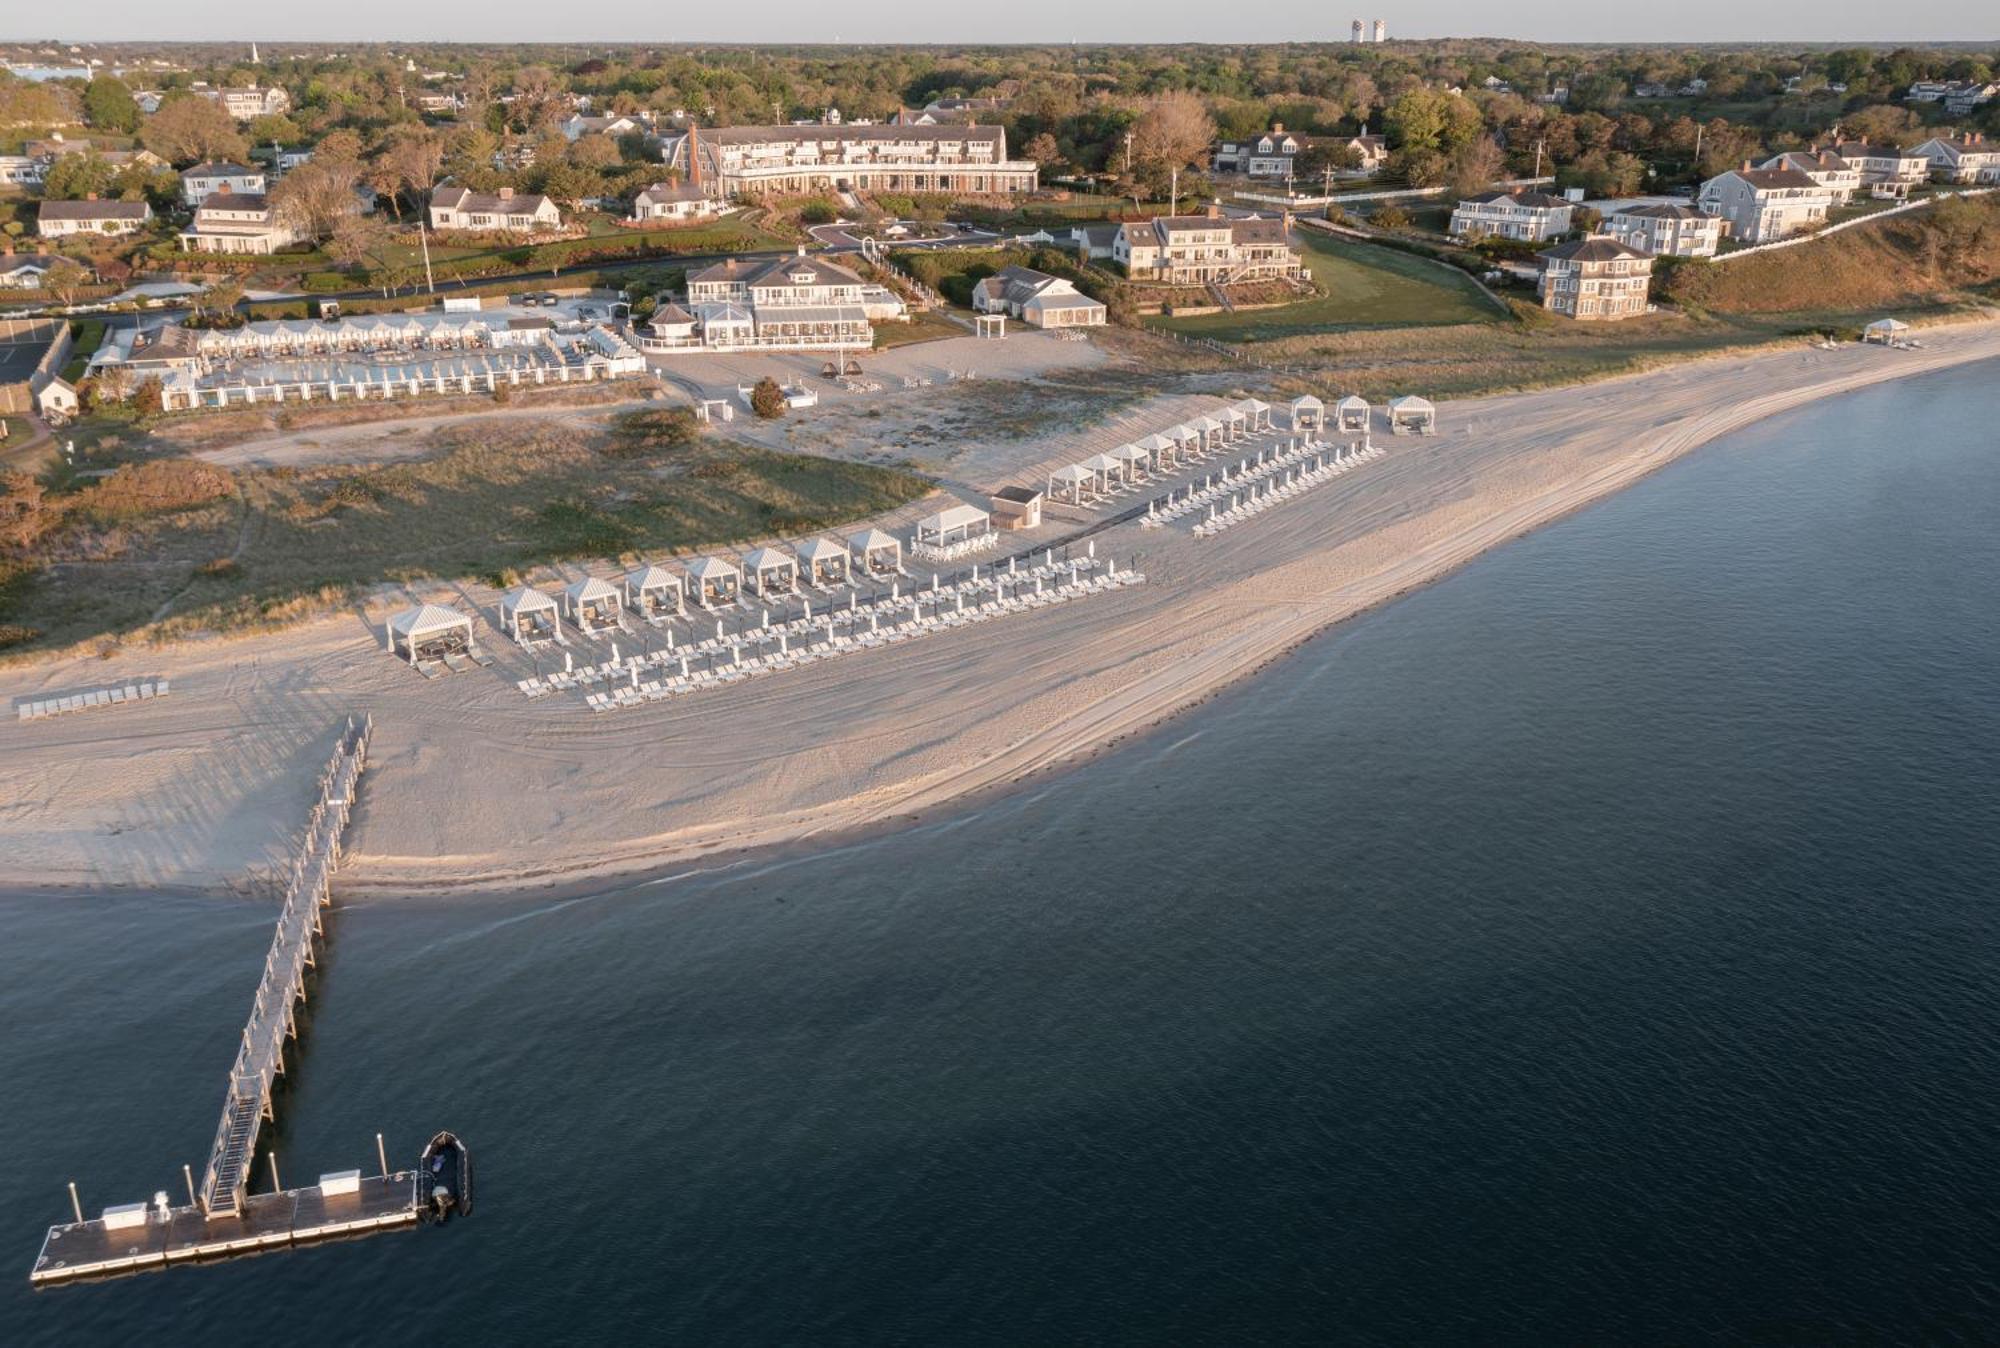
(1037, 21)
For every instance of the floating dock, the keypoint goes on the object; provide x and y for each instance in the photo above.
(223, 1218)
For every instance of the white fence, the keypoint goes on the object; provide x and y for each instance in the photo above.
(1798, 239)
(1397, 194)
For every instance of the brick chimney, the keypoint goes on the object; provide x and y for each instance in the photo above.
(1214, 210)
(1277, 128)
(1746, 166)
(506, 194)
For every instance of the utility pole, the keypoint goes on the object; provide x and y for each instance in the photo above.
(424, 236)
(1698, 129)
(1538, 156)
(1174, 195)
(1128, 154)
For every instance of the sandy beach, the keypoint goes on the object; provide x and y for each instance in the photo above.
(473, 787)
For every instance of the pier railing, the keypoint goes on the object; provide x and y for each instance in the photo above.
(260, 1055)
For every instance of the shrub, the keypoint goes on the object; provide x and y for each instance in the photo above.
(767, 400)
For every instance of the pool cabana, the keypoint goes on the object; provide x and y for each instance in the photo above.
(428, 632)
(825, 562)
(654, 593)
(591, 604)
(1352, 413)
(526, 614)
(1410, 414)
(877, 553)
(1308, 413)
(772, 571)
(716, 582)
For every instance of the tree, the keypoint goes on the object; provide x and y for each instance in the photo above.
(1044, 151)
(359, 243)
(108, 105)
(317, 195)
(65, 280)
(1477, 166)
(1174, 131)
(1313, 161)
(189, 128)
(767, 400)
(77, 177)
(1879, 123)
(1391, 218)
(274, 128)
(410, 161)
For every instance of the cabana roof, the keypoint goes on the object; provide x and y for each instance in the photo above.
(527, 599)
(1351, 401)
(821, 550)
(590, 588)
(764, 559)
(1234, 414)
(871, 540)
(1208, 424)
(425, 619)
(1100, 463)
(1410, 402)
(1153, 444)
(1182, 432)
(712, 568)
(1888, 325)
(1306, 400)
(952, 517)
(1075, 472)
(650, 577)
(1253, 407)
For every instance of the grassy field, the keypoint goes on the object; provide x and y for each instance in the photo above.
(496, 498)
(925, 326)
(1365, 287)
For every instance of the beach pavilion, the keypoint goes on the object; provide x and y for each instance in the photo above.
(715, 581)
(1411, 413)
(1235, 422)
(772, 571)
(591, 604)
(953, 525)
(876, 552)
(653, 592)
(1137, 458)
(826, 562)
(1352, 412)
(1887, 331)
(1159, 451)
(1308, 413)
(1259, 414)
(1103, 465)
(1187, 441)
(528, 615)
(428, 632)
(1213, 433)
(1076, 479)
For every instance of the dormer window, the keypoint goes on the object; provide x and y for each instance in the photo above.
(802, 278)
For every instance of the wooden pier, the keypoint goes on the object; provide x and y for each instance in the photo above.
(223, 1218)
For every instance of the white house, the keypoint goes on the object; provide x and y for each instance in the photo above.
(1036, 298)
(23, 170)
(231, 223)
(578, 125)
(1531, 217)
(1197, 249)
(1764, 205)
(505, 211)
(1831, 171)
(795, 303)
(1964, 159)
(1597, 279)
(247, 104)
(673, 201)
(1886, 170)
(1665, 229)
(24, 271)
(759, 160)
(206, 179)
(57, 219)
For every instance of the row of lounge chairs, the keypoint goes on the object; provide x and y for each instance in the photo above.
(1163, 510)
(100, 697)
(1292, 481)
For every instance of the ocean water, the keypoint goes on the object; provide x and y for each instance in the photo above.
(1600, 946)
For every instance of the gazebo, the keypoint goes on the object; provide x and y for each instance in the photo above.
(715, 581)
(428, 632)
(1885, 331)
(1103, 465)
(1213, 432)
(590, 604)
(1159, 450)
(1076, 479)
(1236, 422)
(1184, 435)
(953, 524)
(1352, 413)
(876, 552)
(825, 562)
(772, 571)
(1308, 413)
(1259, 414)
(1411, 413)
(1137, 458)
(653, 592)
(528, 615)
(989, 325)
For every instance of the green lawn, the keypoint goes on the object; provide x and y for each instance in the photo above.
(925, 326)
(1366, 287)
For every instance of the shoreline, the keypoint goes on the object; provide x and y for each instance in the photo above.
(827, 756)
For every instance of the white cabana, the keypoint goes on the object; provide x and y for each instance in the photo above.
(1410, 413)
(591, 603)
(1885, 331)
(1259, 413)
(1352, 413)
(1158, 449)
(954, 524)
(653, 592)
(1137, 458)
(772, 571)
(1104, 466)
(877, 552)
(1308, 413)
(825, 562)
(1236, 422)
(1069, 484)
(1184, 435)
(527, 614)
(715, 581)
(1212, 431)
(428, 632)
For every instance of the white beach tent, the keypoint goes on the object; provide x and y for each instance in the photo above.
(591, 600)
(413, 628)
(953, 524)
(825, 561)
(1158, 450)
(1136, 457)
(652, 591)
(1212, 432)
(1308, 413)
(524, 610)
(1259, 413)
(715, 581)
(1352, 413)
(1077, 479)
(772, 569)
(1236, 421)
(877, 551)
(1411, 413)
(1884, 330)
(1104, 466)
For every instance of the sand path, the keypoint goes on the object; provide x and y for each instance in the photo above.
(472, 786)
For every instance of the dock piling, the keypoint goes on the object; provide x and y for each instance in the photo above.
(75, 1202)
(272, 1157)
(187, 1173)
(381, 1153)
